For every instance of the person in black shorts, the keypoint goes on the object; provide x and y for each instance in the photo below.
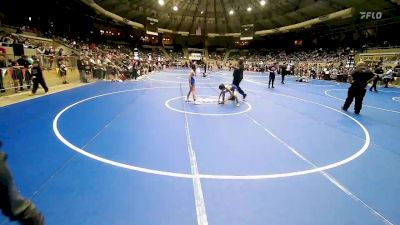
(361, 76)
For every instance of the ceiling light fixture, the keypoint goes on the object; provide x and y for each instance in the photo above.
(263, 2)
(161, 2)
(249, 9)
(231, 12)
(202, 12)
(175, 8)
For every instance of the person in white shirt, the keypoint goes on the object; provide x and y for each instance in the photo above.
(388, 77)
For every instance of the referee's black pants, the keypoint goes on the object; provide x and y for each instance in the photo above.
(357, 94)
(236, 83)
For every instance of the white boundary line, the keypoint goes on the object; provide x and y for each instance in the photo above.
(198, 191)
(397, 99)
(167, 104)
(58, 134)
(325, 174)
(369, 106)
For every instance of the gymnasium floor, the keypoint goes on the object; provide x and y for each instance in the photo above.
(136, 153)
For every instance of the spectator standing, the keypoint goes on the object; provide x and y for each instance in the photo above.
(63, 72)
(3, 70)
(378, 74)
(388, 77)
(81, 68)
(26, 75)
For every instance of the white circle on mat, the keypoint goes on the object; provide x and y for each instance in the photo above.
(357, 154)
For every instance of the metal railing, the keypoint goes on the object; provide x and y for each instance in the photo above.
(14, 78)
(17, 78)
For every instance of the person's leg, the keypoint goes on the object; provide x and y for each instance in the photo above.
(349, 99)
(237, 83)
(82, 75)
(103, 74)
(64, 81)
(1, 81)
(269, 80)
(188, 94)
(234, 95)
(14, 206)
(21, 79)
(273, 80)
(194, 92)
(44, 86)
(35, 85)
(358, 101)
(15, 85)
(283, 79)
(28, 78)
(237, 100)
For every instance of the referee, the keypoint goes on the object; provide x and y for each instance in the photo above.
(361, 76)
(238, 77)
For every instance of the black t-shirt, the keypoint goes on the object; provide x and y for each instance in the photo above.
(37, 72)
(361, 77)
(238, 73)
(80, 64)
(379, 71)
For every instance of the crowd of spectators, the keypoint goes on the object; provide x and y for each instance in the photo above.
(176, 55)
(116, 62)
(216, 55)
(7, 40)
(317, 55)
